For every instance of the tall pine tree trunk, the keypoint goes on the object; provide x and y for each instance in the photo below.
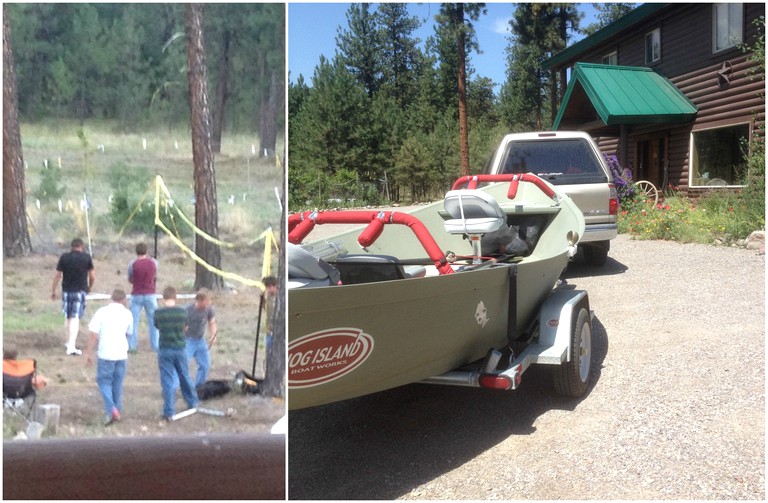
(539, 101)
(222, 95)
(553, 96)
(274, 382)
(463, 127)
(563, 31)
(206, 210)
(268, 117)
(16, 240)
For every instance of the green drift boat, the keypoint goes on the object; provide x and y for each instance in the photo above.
(442, 294)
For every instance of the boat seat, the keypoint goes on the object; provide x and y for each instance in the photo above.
(308, 271)
(472, 212)
(366, 268)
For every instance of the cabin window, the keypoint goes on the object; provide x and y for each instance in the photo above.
(611, 59)
(653, 46)
(719, 156)
(727, 21)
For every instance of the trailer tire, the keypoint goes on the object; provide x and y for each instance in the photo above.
(572, 377)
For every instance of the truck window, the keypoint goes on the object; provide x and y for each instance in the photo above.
(560, 161)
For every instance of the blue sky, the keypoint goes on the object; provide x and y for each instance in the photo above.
(312, 30)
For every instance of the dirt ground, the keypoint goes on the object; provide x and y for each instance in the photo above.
(675, 409)
(72, 384)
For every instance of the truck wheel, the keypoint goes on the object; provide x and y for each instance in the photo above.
(572, 377)
(596, 254)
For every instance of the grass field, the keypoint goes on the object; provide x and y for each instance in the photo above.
(33, 323)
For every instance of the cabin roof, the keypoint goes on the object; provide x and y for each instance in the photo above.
(586, 44)
(622, 95)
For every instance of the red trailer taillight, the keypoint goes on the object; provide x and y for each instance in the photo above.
(495, 381)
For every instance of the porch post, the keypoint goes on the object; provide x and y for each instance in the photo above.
(623, 145)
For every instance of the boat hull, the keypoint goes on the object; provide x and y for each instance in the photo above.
(351, 340)
(415, 328)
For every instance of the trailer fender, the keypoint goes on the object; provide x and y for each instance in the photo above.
(556, 319)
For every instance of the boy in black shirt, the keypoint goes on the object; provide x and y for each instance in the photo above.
(76, 272)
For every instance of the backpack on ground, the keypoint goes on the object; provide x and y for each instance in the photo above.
(213, 389)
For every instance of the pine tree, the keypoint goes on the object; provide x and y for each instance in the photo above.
(607, 13)
(538, 32)
(15, 231)
(206, 209)
(126, 62)
(401, 57)
(456, 30)
(333, 124)
(360, 47)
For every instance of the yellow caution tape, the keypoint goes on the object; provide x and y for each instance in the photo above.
(135, 210)
(267, 235)
(161, 185)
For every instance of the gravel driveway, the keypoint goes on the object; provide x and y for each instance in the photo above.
(676, 410)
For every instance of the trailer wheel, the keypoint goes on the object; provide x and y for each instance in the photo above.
(572, 377)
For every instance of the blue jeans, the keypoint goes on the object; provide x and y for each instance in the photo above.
(198, 349)
(174, 366)
(109, 377)
(149, 304)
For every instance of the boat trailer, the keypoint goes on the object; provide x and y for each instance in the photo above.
(564, 339)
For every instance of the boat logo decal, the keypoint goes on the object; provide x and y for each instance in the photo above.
(481, 314)
(324, 356)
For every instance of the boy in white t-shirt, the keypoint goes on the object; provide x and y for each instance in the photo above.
(111, 326)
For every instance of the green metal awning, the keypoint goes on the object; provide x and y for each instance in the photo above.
(621, 95)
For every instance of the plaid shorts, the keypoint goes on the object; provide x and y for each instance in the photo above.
(73, 304)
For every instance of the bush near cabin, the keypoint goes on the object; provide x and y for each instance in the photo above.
(721, 216)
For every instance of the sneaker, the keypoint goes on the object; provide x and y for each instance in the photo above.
(109, 420)
(74, 352)
(115, 415)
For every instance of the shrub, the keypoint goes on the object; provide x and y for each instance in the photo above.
(132, 206)
(622, 179)
(717, 216)
(51, 189)
(753, 196)
(128, 189)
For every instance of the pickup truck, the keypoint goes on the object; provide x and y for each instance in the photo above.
(572, 161)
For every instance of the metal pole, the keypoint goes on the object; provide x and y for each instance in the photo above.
(155, 241)
(87, 223)
(258, 329)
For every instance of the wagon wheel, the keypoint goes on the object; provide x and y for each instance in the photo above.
(648, 189)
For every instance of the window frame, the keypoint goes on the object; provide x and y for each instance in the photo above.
(736, 40)
(691, 153)
(655, 33)
(611, 55)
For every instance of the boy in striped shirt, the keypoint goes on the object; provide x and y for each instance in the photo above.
(170, 321)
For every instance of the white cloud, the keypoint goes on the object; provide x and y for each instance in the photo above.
(501, 25)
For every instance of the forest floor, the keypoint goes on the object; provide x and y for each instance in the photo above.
(61, 158)
(34, 325)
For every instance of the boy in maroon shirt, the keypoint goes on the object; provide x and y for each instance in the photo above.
(142, 274)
